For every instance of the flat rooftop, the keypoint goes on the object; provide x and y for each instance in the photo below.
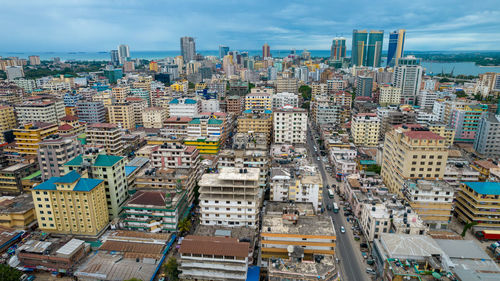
(230, 174)
(306, 225)
(310, 269)
(18, 204)
(405, 246)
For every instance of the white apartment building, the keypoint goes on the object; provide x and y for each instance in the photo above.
(175, 155)
(213, 258)
(408, 77)
(154, 117)
(326, 113)
(106, 136)
(279, 100)
(211, 105)
(389, 95)
(244, 158)
(290, 125)
(28, 85)
(334, 85)
(231, 198)
(424, 117)
(375, 219)
(365, 129)
(184, 107)
(39, 109)
(285, 186)
(458, 172)
(426, 99)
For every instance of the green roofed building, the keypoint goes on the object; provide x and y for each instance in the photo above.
(109, 168)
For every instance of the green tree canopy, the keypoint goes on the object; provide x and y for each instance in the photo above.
(184, 225)
(172, 269)
(8, 273)
(306, 92)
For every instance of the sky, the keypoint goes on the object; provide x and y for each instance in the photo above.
(101, 25)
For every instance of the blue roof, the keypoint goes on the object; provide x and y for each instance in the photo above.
(486, 188)
(190, 101)
(367, 162)
(77, 161)
(130, 169)
(247, 111)
(106, 160)
(253, 273)
(85, 184)
(69, 177)
(174, 101)
(267, 111)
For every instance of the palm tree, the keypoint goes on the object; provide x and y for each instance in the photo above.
(184, 225)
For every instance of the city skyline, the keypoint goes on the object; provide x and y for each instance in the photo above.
(96, 26)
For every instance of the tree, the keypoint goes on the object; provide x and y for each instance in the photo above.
(467, 227)
(461, 94)
(3, 75)
(191, 85)
(374, 168)
(184, 225)
(8, 273)
(305, 91)
(134, 279)
(172, 269)
(306, 105)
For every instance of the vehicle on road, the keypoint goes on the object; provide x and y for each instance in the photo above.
(370, 270)
(328, 207)
(342, 229)
(330, 193)
(370, 261)
(488, 235)
(335, 207)
(317, 158)
(364, 254)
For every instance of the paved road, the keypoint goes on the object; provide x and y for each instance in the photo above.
(351, 265)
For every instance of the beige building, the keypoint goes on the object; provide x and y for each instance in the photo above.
(252, 122)
(107, 136)
(444, 131)
(40, 109)
(389, 95)
(290, 125)
(120, 93)
(412, 152)
(154, 117)
(122, 114)
(138, 107)
(290, 85)
(365, 129)
(7, 120)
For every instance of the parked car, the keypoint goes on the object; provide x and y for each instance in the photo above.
(369, 270)
(342, 229)
(364, 254)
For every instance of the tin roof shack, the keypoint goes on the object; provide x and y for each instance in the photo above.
(125, 255)
(55, 254)
(8, 236)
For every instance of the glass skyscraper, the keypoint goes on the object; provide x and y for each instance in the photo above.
(223, 50)
(367, 47)
(396, 46)
(359, 42)
(374, 48)
(338, 49)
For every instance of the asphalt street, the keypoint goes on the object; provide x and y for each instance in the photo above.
(351, 262)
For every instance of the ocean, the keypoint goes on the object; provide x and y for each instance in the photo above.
(465, 68)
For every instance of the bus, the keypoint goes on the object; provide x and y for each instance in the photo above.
(330, 193)
(335, 208)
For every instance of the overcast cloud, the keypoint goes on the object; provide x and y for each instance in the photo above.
(100, 25)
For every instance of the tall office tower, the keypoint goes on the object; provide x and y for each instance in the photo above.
(123, 53)
(408, 77)
(188, 48)
(364, 85)
(223, 50)
(338, 48)
(396, 46)
(359, 42)
(266, 51)
(34, 60)
(115, 59)
(374, 48)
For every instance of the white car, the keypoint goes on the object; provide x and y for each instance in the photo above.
(342, 229)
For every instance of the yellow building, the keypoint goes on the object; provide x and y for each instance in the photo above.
(17, 212)
(105, 97)
(389, 95)
(411, 152)
(7, 120)
(154, 117)
(70, 110)
(28, 137)
(71, 205)
(153, 66)
(365, 129)
(200, 86)
(258, 101)
(250, 122)
(122, 114)
(446, 132)
(206, 145)
(478, 202)
(120, 93)
(181, 86)
(483, 167)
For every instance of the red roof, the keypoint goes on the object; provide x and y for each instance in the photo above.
(409, 126)
(179, 119)
(212, 245)
(133, 99)
(69, 118)
(367, 114)
(103, 125)
(65, 127)
(423, 135)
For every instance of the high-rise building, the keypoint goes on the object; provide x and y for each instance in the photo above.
(54, 151)
(290, 125)
(488, 133)
(188, 48)
(29, 136)
(412, 152)
(223, 51)
(34, 60)
(475, 202)
(91, 111)
(56, 201)
(359, 43)
(123, 53)
(365, 129)
(364, 85)
(235, 191)
(367, 47)
(105, 135)
(40, 109)
(338, 49)
(14, 72)
(7, 120)
(374, 48)
(396, 46)
(266, 51)
(408, 77)
(108, 168)
(115, 59)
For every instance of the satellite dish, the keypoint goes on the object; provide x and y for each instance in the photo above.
(290, 248)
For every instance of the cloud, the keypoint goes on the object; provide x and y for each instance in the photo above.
(96, 25)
